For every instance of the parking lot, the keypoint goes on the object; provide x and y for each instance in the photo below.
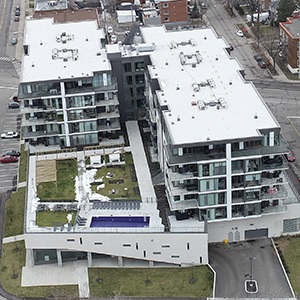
(232, 263)
(9, 171)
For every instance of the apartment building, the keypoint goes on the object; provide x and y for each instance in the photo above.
(173, 11)
(67, 89)
(219, 146)
(289, 36)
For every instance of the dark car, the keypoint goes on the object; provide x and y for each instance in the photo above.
(17, 13)
(16, 99)
(257, 57)
(13, 104)
(8, 159)
(11, 153)
(262, 64)
(17, 18)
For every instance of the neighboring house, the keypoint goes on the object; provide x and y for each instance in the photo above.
(220, 149)
(68, 91)
(290, 34)
(173, 11)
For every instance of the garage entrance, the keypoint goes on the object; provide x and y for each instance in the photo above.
(256, 233)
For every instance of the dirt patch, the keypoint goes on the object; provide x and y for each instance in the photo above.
(45, 171)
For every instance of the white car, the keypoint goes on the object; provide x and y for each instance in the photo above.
(9, 135)
(109, 29)
(239, 33)
(113, 39)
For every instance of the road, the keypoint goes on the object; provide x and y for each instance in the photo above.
(226, 27)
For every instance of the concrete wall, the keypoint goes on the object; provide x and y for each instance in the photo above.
(176, 248)
(218, 231)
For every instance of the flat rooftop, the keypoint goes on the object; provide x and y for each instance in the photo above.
(62, 50)
(293, 27)
(205, 96)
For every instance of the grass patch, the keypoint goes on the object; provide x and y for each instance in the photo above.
(48, 218)
(164, 282)
(289, 250)
(14, 213)
(64, 187)
(13, 259)
(23, 164)
(122, 184)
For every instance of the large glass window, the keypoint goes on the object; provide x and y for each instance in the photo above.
(127, 67)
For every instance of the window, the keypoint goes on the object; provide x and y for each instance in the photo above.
(166, 12)
(139, 66)
(176, 198)
(166, 19)
(139, 79)
(166, 5)
(127, 67)
(129, 79)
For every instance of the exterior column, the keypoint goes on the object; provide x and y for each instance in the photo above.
(90, 259)
(29, 258)
(59, 258)
(151, 264)
(120, 261)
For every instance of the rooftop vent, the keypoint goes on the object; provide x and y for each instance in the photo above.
(178, 118)
(177, 87)
(255, 116)
(205, 37)
(230, 83)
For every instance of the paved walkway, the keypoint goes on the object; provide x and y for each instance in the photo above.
(12, 239)
(140, 162)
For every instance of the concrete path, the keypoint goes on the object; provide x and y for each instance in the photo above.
(140, 162)
(12, 239)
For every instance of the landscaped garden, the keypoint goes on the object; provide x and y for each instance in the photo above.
(119, 182)
(63, 189)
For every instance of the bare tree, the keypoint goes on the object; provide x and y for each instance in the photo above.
(270, 41)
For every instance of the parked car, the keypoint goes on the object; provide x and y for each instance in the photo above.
(231, 48)
(16, 99)
(13, 104)
(290, 156)
(11, 153)
(14, 40)
(109, 29)
(8, 159)
(262, 64)
(17, 13)
(17, 18)
(113, 39)
(239, 33)
(10, 135)
(257, 57)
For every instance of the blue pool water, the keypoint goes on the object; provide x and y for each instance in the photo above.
(120, 222)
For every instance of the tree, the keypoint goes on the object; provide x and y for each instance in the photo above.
(195, 11)
(270, 41)
(285, 9)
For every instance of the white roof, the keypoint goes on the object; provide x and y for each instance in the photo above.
(62, 50)
(208, 99)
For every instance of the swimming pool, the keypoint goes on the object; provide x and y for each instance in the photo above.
(119, 221)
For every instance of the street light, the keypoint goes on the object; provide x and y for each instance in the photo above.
(251, 268)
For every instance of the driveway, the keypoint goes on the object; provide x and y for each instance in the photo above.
(232, 265)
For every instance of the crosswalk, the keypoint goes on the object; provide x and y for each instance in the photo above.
(16, 63)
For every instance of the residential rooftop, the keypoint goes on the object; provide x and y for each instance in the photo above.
(205, 96)
(62, 50)
(42, 5)
(293, 26)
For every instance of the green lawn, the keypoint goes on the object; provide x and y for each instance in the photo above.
(12, 261)
(23, 164)
(289, 250)
(14, 213)
(48, 218)
(153, 282)
(125, 188)
(64, 187)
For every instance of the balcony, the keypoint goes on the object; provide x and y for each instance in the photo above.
(108, 102)
(274, 192)
(274, 209)
(36, 134)
(112, 113)
(184, 204)
(109, 126)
